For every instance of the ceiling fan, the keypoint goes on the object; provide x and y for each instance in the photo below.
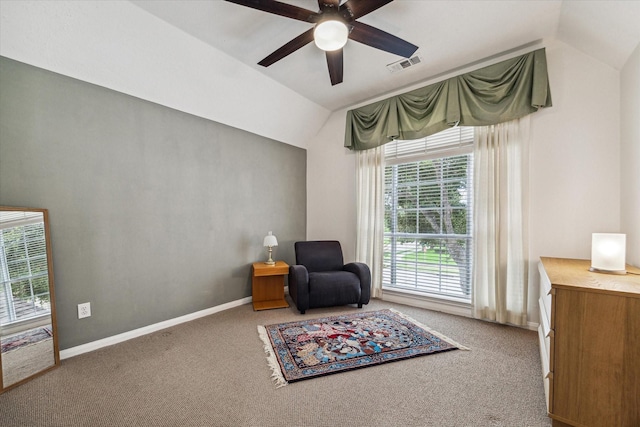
(333, 24)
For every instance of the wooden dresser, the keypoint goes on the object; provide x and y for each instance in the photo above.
(590, 344)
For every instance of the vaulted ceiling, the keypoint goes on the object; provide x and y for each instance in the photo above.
(450, 35)
(200, 56)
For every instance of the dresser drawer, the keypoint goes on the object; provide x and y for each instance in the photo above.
(546, 335)
(545, 294)
(547, 375)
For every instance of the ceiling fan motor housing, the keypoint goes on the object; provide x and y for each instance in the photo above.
(331, 34)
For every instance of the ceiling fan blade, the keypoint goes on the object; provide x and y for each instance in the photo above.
(379, 39)
(287, 49)
(334, 62)
(354, 9)
(279, 8)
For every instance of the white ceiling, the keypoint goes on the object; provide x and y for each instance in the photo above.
(450, 35)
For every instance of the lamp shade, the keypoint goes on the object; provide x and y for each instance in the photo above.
(330, 34)
(270, 240)
(608, 252)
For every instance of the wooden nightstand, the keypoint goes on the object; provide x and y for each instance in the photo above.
(267, 288)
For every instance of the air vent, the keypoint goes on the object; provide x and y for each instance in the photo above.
(405, 63)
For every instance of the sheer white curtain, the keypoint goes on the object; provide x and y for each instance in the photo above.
(370, 213)
(500, 274)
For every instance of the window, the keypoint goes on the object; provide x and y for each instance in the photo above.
(24, 282)
(428, 214)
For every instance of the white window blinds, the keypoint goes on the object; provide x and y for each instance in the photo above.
(450, 142)
(429, 215)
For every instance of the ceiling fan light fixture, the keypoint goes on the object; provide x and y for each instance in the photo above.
(331, 34)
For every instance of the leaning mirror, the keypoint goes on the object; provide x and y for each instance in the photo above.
(28, 332)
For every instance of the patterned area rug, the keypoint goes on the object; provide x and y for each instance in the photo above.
(311, 348)
(26, 338)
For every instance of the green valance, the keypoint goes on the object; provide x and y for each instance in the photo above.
(498, 93)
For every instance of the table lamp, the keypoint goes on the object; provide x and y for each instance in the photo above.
(608, 253)
(269, 242)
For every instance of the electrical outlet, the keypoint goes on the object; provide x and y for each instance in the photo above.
(84, 310)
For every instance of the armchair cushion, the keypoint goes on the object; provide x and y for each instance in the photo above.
(319, 255)
(330, 288)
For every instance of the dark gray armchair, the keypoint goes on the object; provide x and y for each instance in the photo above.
(320, 278)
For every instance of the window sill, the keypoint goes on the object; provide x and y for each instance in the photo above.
(419, 299)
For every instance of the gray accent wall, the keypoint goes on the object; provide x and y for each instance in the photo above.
(154, 213)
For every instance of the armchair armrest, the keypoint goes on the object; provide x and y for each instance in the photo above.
(299, 286)
(361, 270)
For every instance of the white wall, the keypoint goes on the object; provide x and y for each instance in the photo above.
(630, 156)
(119, 46)
(574, 173)
(331, 187)
(575, 154)
(574, 161)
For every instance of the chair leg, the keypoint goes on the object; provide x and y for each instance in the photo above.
(359, 305)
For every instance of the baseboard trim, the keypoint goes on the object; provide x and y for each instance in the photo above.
(533, 326)
(125, 336)
(442, 305)
(449, 307)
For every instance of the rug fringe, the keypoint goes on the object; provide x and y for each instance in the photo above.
(272, 361)
(431, 331)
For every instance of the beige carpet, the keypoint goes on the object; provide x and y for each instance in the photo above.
(213, 372)
(22, 362)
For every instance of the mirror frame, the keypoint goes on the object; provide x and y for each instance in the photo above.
(54, 323)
